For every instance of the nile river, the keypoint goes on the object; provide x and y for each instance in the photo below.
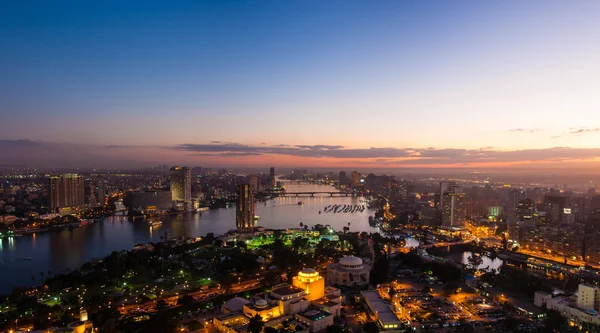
(57, 251)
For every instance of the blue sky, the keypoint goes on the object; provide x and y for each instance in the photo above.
(359, 74)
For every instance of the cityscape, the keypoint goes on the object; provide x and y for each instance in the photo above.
(281, 167)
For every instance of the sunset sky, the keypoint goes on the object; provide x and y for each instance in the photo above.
(300, 83)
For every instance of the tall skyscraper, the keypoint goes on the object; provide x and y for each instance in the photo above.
(342, 178)
(445, 187)
(272, 176)
(244, 211)
(66, 191)
(181, 184)
(453, 209)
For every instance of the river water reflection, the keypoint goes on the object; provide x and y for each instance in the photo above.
(57, 251)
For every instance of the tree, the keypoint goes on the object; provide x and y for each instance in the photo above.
(185, 300)
(554, 321)
(474, 261)
(161, 305)
(256, 324)
(161, 323)
(270, 329)
(335, 329)
(371, 327)
(466, 327)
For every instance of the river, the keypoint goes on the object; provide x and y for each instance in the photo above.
(58, 251)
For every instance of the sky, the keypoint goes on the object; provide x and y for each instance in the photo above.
(387, 84)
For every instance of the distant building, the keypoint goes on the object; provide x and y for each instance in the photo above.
(342, 178)
(349, 271)
(398, 191)
(143, 201)
(453, 209)
(66, 191)
(244, 211)
(272, 176)
(445, 187)
(253, 180)
(355, 178)
(558, 209)
(181, 184)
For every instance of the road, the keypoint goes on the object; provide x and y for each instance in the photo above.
(199, 295)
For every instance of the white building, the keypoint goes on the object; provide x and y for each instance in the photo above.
(588, 297)
(567, 306)
(349, 271)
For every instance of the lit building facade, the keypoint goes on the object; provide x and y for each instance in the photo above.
(311, 282)
(355, 178)
(67, 190)
(244, 211)
(453, 209)
(181, 184)
(349, 271)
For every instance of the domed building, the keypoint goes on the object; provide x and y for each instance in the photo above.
(235, 304)
(349, 271)
(311, 282)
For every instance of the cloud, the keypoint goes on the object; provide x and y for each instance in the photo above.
(583, 130)
(428, 155)
(20, 143)
(524, 130)
(556, 137)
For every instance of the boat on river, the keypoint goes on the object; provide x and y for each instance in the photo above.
(155, 223)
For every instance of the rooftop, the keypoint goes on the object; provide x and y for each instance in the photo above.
(315, 314)
(287, 290)
(380, 307)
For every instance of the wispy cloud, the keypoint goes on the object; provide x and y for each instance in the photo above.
(396, 155)
(583, 130)
(524, 130)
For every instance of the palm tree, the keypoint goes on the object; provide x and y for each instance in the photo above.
(42, 278)
(33, 281)
(301, 224)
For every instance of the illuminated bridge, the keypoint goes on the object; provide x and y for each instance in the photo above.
(312, 194)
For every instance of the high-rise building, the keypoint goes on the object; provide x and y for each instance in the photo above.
(244, 211)
(445, 187)
(524, 212)
(355, 178)
(66, 191)
(559, 212)
(272, 176)
(342, 178)
(453, 209)
(253, 180)
(181, 184)
(100, 191)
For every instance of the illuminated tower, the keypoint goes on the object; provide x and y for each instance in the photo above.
(181, 184)
(244, 211)
(453, 211)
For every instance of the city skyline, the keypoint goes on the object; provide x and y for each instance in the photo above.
(336, 84)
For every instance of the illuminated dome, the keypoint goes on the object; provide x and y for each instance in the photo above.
(261, 303)
(351, 262)
(308, 272)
